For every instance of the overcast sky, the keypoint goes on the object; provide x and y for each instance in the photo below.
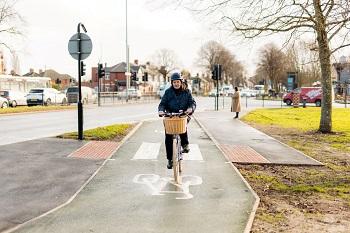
(50, 24)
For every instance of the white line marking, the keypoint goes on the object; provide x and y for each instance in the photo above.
(158, 185)
(194, 154)
(147, 151)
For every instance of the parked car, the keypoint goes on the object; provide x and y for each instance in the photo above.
(162, 89)
(88, 95)
(45, 96)
(247, 93)
(310, 94)
(132, 94)
(227, 90)
(4, 103)
(14, 98)
(259, 90)
(212, 93)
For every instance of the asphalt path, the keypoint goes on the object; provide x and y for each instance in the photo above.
(136, 193)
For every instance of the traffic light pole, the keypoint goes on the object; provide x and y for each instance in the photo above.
(98, 87)
(217, 95)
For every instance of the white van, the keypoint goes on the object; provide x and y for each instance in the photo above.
(14, 98)
(88, 95)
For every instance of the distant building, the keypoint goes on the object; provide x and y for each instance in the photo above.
(62, 80)
(115, 78)
(341, 71)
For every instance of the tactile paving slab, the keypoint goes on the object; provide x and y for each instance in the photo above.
(243, 154)
(96, 150)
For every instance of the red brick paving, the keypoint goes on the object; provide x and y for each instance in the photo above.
(96, 150)
(242, 154)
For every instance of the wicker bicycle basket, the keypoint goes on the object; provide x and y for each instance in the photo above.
(175, 125)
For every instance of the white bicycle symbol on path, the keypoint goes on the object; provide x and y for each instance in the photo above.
(160, 185)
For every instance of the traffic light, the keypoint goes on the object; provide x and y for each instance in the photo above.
(82, 68)
(145, 77)
(216, 72)
(133, 76)
(100, 71)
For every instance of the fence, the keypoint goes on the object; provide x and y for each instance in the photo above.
(108, 98)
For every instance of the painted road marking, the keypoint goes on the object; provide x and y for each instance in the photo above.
(147, 151)
(194, 154)
(164, 185)
(150, 151)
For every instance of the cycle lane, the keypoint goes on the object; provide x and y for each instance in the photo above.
(135, 194)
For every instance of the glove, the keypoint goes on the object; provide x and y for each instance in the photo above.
(161, 113)
(189, 111)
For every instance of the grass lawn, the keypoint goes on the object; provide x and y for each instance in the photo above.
(303, 198)
(20, 109)
(108, 133)
(306, 120)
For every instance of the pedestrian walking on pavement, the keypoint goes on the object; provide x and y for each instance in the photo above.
(174, 100)
(236, 102)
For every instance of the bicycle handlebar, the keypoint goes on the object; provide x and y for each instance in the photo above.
(174, 114)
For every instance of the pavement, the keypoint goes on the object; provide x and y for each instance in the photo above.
(229, 131)
(46, 190)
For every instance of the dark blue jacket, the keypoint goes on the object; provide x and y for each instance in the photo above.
(174, 103)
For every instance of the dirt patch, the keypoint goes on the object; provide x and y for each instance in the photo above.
(302, 198)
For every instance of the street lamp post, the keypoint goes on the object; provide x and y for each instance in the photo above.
(127, 76)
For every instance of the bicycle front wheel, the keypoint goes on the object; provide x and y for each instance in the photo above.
(176, 161)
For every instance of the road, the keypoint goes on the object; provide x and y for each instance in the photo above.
(28, 126)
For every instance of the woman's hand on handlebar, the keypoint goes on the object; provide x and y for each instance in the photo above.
(189, 111)
(161, 113)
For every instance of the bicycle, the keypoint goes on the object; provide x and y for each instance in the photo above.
(176, 124)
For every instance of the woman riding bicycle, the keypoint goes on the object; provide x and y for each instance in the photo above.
(174, 100)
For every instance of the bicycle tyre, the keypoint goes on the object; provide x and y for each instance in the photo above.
(176, 161)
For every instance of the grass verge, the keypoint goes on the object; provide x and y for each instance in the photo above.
(309, 199)
(108, 133)
(21, 109)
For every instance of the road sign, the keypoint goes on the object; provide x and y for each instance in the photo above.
(85, 49)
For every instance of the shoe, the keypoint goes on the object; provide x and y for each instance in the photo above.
(186, 149)
(170, 164)
(235, 117)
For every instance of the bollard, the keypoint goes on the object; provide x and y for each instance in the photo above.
(246, 101)
(304, 102)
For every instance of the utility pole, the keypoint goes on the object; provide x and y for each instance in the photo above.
(127, 74)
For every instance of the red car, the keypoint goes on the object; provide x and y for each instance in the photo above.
(310, 94)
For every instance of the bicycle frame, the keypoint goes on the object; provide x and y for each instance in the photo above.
(177, 152)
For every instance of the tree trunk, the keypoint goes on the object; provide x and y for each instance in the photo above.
(324, 56)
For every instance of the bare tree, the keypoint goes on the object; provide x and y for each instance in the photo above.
(166, 60)
(10, 22)
(272, 64)
(327, 20)
(304, 61)
(212, 53)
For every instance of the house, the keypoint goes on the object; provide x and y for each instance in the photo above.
(61, 80)
(341, 71)
(115, 78)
